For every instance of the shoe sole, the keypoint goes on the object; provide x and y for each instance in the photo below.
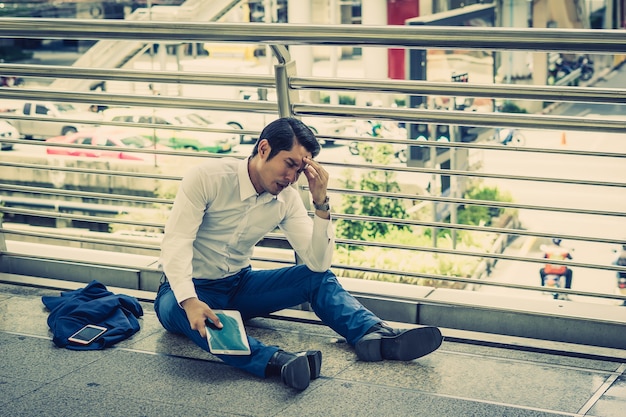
(411, 344)
(315, 362)
(296, 373)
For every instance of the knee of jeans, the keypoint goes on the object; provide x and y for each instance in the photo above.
(163, 305)
(324, 277)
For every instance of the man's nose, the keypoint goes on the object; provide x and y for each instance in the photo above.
(293, 176)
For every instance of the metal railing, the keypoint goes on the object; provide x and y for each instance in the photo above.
(288, 86)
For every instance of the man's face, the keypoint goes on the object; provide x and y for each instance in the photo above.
(283, 169)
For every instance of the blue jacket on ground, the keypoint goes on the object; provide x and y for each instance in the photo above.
(94, 304)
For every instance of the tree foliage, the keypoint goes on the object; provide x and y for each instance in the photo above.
(367, 205)
(402, 252)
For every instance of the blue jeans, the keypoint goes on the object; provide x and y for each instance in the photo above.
(258, 293)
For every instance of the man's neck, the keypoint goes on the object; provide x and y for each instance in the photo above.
(252, 174)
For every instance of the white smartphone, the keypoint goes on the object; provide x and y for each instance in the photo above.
(87, 334)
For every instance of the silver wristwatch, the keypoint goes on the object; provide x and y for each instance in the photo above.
(324, 206)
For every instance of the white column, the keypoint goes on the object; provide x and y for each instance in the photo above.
(299, 11)
(335, 51)
(375, 60)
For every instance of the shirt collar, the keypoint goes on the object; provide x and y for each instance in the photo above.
(246, 188)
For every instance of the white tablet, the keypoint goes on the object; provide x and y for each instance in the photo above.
(232, 338)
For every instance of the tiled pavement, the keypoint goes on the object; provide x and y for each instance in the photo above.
(159, 374)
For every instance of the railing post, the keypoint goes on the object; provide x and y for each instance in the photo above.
(286, 68)
(3, 243)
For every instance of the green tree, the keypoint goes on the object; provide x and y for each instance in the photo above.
(475, 215)
(374, 180)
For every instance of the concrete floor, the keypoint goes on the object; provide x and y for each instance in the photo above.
(155, 373)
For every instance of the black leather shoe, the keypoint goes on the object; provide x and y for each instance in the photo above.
(293, 368)
(396, 344)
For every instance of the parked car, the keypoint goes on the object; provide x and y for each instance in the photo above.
(104, 136)
(8, 131)
(327, 126)
(48, 115)
(242, 121)
(175, 135)
(322, 126)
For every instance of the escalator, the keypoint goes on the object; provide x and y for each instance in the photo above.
(118, 53)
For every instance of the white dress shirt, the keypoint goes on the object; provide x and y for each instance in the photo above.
(218, 218)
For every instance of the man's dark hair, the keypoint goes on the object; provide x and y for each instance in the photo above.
(281, 134)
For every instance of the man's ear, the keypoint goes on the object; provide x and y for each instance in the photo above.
(264, 148)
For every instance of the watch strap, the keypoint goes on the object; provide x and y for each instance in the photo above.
(323, 206)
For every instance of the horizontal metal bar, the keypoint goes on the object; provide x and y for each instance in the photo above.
(473, 174)
(500, 204)
(455, 117)
(408, 142)
(414, 87)
(91, 262)
(488, 145)
(475, 281)
(497, 256)
(106, 242)
(357, 166)
(93, 171)
(456, 252)
(470, 202)
(151, 151)
(75, 238)
(350, 268)
(427, 37)
(440, 225)
(82, 194)
(147, 151)
(93, 219)
(510, 91)
(406, 222)
(61, 205)
(452, 117)
(147, 76)
(459, 226)
(96, 122)
(138, 100)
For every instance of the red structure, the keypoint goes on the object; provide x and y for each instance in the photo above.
(397, 12)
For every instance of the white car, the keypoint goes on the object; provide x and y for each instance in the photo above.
(327, 126)
(181, 137)
(241, 121)
(251, 121)
(7, 131)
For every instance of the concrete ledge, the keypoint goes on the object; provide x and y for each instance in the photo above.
(560, 321)
(390, 301)
(294, 315)
(62, 285)
(124, 270)
(551, 320)
(81, 265)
